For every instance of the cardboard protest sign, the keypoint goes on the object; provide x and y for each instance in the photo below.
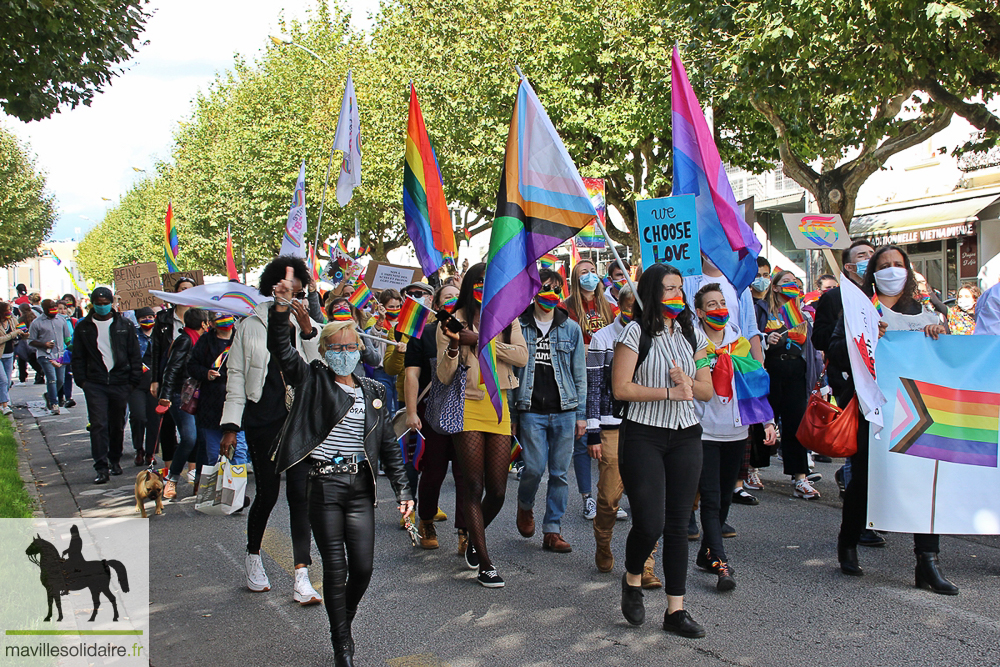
(385, 276)
(668, 233)
(817, 231)
(170, 279)
(132, 285)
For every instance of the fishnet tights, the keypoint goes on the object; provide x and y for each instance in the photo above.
(485, 461)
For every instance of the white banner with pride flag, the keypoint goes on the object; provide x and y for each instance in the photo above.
(348, 139)
(934, 468)
(293, 240)
(861, 318)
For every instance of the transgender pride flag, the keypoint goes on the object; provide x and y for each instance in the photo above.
(726, 239)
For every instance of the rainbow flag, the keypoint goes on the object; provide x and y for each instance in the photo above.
(590, 237)
(412, 318)
(361, 296)
(313, 264)
(515, 450)
(541, 203)
(548, 261)
(877, 304)
(746, 374)
(791, 313)
(342, 247)
(221, 359)
(725, 237)
(425, 209)
(937, 422)
(22, 327)
(574, 256)
(55, 257)
(231, 271)
(171, 246)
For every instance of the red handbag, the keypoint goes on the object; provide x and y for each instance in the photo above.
(827, 429)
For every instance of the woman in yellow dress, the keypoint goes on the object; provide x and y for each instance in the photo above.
(483, 445)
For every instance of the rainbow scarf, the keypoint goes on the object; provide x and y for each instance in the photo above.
(412, 318)
(732, 366)
(673, 307)
(361, 296)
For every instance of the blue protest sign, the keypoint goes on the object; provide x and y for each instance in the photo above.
(668, 233)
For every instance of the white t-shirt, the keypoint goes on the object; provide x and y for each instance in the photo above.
(104, 341)
(544, 326)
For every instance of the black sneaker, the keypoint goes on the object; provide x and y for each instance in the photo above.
(742, 497)
(841, 486)
(869, 538)
(726, 581)
(632, 607)
(471, 558)
(71, 403)
(490, 578)
(728, 531)
(62, 402)
(814, 477)
(681, 622)
(708, 562)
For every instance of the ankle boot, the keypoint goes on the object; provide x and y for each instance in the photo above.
(428, 534)
(848, 557)
(603, 557)
(928, 575)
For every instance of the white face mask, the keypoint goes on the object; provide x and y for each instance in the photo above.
(966, 302)
(890, 280)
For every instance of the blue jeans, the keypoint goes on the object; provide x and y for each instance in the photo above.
(213, 438)
(391, 398)
(53, 380)
(581, 465)
(188, 441)
(546, 439)
(6, 377)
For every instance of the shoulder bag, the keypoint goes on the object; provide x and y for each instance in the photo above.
(445, 410)
(827, 429)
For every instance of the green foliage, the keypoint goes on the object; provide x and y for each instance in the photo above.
(27, 211)
(15, 503)
(62, 52)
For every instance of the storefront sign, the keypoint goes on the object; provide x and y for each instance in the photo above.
(668, 233)
(922, 235)
(968, 259)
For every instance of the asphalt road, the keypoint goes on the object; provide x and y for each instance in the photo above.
(792, 606)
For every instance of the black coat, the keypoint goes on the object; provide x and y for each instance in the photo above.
(320, 405)
(175, 369)
(211, 393)
(88, 364)
(160, 340)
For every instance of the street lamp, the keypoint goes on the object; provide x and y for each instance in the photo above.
(285, 40)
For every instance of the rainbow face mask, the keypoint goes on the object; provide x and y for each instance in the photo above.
(547, 300)
(625, 316)
(791, 290)
(225, 322)
(717, 318)
(673, 306)
(449, 303)
(392, 313)
(620, 283)
(477, 292)
(342, 313)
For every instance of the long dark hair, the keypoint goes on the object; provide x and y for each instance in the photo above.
(466, 304)
(906, 297)
(650, 317)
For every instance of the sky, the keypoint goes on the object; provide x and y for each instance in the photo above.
(92, 153)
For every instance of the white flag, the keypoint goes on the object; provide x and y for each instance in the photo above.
(348, 139)
(229, 297)
(292, 241)
(861, 320)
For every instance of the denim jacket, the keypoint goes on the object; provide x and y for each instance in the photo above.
(569, 364)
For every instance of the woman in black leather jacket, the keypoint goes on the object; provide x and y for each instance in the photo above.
(339, 421)
(174, 374)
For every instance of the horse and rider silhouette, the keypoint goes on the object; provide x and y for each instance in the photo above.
(60, 576)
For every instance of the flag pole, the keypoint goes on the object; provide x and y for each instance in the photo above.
(618, 260)
(934, 494)
(322, 200)
(518, 70)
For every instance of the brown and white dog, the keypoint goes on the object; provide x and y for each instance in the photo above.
(148, 486)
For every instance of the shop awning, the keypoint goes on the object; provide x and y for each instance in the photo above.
(923, 220)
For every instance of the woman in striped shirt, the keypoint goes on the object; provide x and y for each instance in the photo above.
(660, 438)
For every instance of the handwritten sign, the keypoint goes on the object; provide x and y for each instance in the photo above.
(170, 279)
(668, 233)
(132, 285)
(817, 231)
(386, 276)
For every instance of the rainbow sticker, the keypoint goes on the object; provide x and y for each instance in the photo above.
(819, 229)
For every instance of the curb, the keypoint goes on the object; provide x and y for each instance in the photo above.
(24, 469)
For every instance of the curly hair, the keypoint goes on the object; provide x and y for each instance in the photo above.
(275, 272)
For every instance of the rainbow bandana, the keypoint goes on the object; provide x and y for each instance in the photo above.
(342, 313)
(673, 306)
(547, 300)
(717, 319)
(477, 292)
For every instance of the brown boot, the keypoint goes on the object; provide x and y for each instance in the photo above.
(463, 541)
(649, 578)
(603, 557)
(525, 522)
(428, 534)
(555, 542)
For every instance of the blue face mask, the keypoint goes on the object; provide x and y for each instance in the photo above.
(589, 282)
(862, 267)
(760, 284)
(342, 362)
(102, 310)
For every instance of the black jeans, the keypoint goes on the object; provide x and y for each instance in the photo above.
(720, 469)
(856, 500)
(660, 468)
(106, 410)
(268, 480)
(143, 420)
(438, 451)
(342, 515)
(788, 398)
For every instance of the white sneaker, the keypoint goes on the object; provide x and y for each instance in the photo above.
(753, 480)
(803, 489)
(256, 577)
(303, 592)
(54, 410)
(589, 508)
(6, 410)
(621, 515)
(191, 476)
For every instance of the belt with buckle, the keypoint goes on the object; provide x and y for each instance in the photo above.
(339, 465)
